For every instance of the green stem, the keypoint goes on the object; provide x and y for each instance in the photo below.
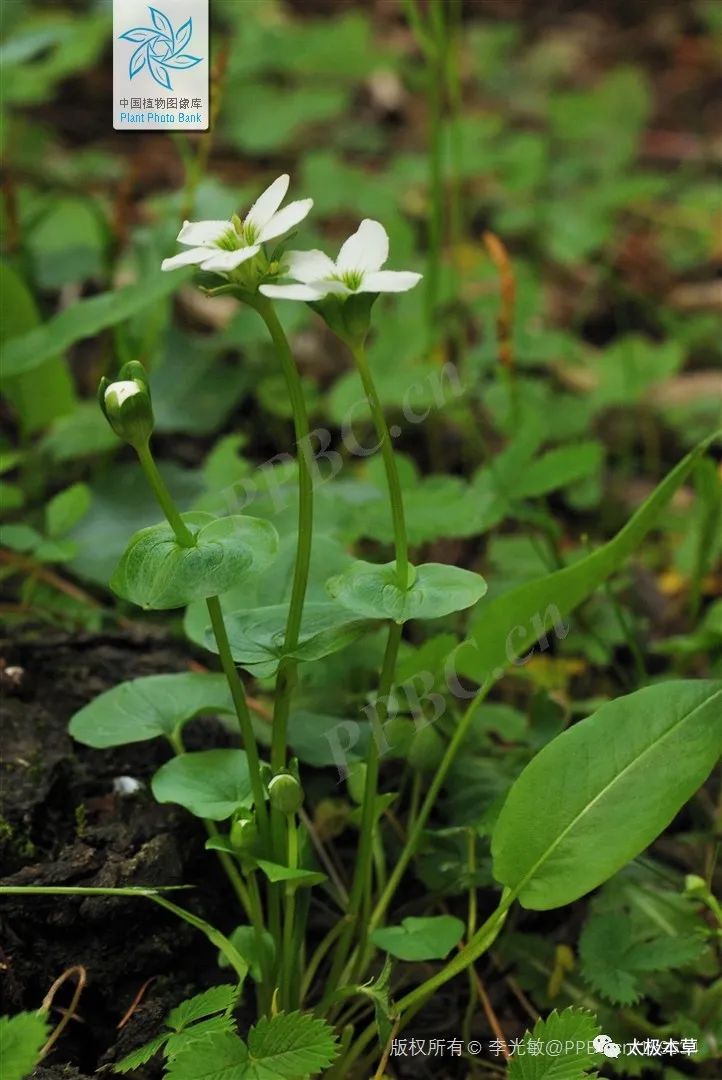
(315, 962)
(368, 813)
(245, 723)
(288, 668)
(216, 938)
(182, 533)
(186, 539)
(419, 825)
(389, 460)
(289, 958)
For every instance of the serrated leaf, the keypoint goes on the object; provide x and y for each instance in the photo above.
(139, 1057)
(214, 1025)
(614, 955)
(429, 938)
(210, 783)
(603, 945)
(574, 1027)
(220, 1056)
(289, 1046)
(214, 1000)
(149, 707)
(379, 990)
(21, 1039)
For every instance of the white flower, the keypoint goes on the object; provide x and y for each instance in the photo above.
(122, 390)
(356, 270)
(221, 246)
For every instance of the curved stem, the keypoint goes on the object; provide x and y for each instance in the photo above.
(186, 539)
(417, 829)
(392, 475)
(182, 533)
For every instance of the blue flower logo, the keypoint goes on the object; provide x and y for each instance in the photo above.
(160, 48)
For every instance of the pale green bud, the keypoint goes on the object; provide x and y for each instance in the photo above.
(285, 793)
(126, 404)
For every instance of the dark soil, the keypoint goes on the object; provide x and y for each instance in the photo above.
(62, 824)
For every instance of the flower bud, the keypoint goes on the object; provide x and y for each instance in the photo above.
(244, 835)
(285, 793)
(126, 404)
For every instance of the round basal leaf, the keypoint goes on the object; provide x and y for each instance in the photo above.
(257, 636)
(156, 572)
(372, 591)
(430, 938)
(601, 792)
(148, 707)
(210, 783)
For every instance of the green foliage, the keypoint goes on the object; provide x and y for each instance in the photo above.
(29, 350)
(288, 1046)
(22, 1037)
(257, 635)
(209, 783)
(149, 707)
(187, 1023)
(573, 1028)
(508, 626)
(157, 572)
(429, 938)
(578, 793)
(615, 956)
(46, 393)
(434, 590)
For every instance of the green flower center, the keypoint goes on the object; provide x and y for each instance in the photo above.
(351, 279)
(239, 235)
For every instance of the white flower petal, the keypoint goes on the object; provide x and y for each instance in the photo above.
(285, 219)
(367, 249)
(195, 233)
(221, 262)
(389, 281)
(185, 258)
(266, 204)
(309, 266)
(292, 292)
(122, 390)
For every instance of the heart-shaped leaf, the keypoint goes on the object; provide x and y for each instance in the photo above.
(156, 572)
(149, 707)
(210, 783)
(435, 589)
(257, 636)
(600, 793)
(430, 938)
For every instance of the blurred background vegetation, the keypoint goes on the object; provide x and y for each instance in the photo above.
(553, 168)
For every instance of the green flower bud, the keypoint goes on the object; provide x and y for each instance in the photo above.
(427, 749)
(244, 835)
(285, 793)
(126, 404)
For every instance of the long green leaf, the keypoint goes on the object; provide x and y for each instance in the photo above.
(601, 792)
(506, 627)
(84, 319)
